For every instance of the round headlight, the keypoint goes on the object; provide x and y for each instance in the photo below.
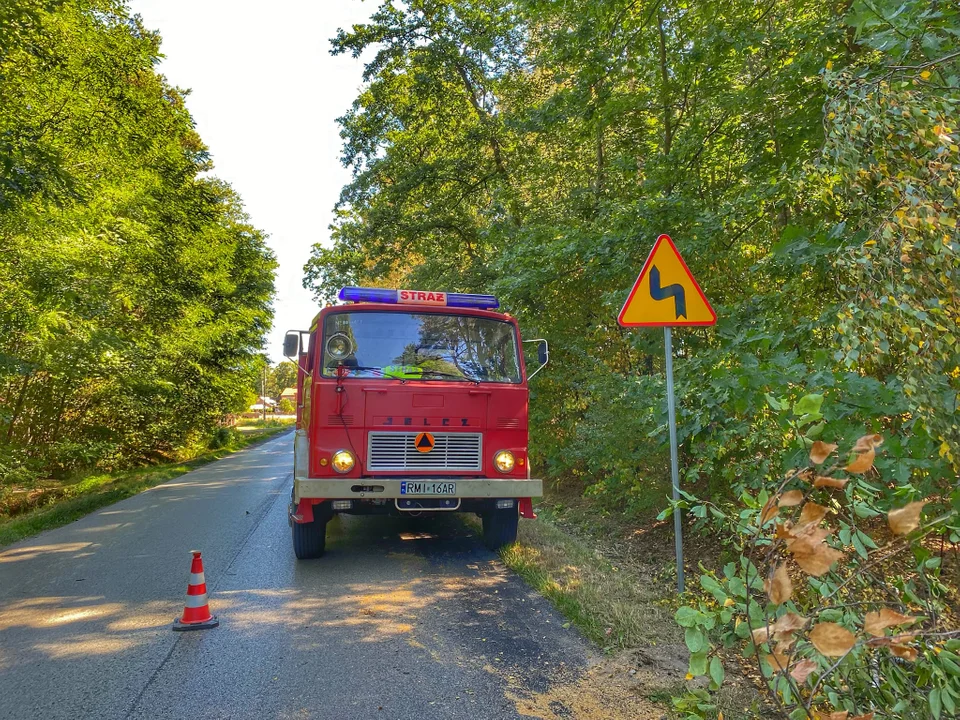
(342, 461)
(339, 346)
(504, 461)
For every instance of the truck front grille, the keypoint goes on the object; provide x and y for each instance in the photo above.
(396, 451)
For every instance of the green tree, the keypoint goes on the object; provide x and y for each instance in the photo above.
(136, 291)
(284, 375)
(536, 149)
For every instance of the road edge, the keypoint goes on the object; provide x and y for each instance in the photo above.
(128, 484)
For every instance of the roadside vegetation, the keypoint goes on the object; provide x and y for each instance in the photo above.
(136, 293)
(804, 156)
(28, 510)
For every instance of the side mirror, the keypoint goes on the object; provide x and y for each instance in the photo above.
(291, 344)
(543, 355)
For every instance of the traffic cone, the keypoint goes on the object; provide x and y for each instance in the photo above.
(196, 613)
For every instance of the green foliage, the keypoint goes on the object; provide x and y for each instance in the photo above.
(136, 292)
(283, 376)
(222, 438)
(859, 621)
(802, 155)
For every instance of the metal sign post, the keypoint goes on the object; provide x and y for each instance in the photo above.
(666, 295)
(674, 462)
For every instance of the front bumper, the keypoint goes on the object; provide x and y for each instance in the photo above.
(376, 488)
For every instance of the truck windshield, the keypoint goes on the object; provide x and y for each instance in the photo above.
(414, 346)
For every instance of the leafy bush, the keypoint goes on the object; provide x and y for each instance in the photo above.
(844, 622)
(223, 437)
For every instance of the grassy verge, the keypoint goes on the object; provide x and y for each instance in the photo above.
(70, 501)
(617, 603)
(613, 578)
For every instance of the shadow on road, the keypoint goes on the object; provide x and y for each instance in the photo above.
(409, 616)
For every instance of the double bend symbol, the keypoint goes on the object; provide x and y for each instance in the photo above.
(662, 293)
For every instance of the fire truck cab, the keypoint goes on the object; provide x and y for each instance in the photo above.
(411, 402)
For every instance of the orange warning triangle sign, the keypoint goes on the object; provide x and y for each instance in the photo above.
(665, 294)
(424, 442)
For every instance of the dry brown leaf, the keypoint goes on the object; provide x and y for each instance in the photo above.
(783, 530)
(785, 642)
(782, 631)
(865, 716)
(876, 622)
(778, 661)
(836, 715)
(810, 552)
(808, 533)
(830, 482)
(862, 463)
(819, 561)
(790, 498)
(906, 519)
(903, 638)
(801, 671)
(779, 587)
(788, 623)
(904, 651)
(821, 451)
(770, 510)
(868, 442)
(812, 513)
(831, 639)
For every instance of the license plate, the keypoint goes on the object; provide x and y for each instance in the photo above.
(408, 487)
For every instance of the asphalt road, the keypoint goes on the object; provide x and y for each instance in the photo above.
(397, 620)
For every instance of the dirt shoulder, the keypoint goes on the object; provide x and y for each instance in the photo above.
(614, 578)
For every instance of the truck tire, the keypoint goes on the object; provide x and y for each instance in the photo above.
(309, 539)
(500, 527)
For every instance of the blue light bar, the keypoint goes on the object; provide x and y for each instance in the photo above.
(360, 294)
(419, 297)
(468, 300)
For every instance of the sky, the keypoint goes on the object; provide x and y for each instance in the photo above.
(265, 94)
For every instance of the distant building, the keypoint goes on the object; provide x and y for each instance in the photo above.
(290, 394)
(264, 403)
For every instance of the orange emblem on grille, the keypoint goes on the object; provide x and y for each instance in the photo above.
(424, 442)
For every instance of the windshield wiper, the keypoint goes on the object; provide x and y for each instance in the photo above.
(350, 368)
(441, 373)
(380, 373)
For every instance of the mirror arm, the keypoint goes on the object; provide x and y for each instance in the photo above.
(296, 358)
(546, 353)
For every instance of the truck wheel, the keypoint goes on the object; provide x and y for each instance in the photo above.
(309, 539)
(500, 527)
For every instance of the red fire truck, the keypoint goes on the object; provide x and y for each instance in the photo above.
(411, 402)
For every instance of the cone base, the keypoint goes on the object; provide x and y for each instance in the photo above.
(180, 626)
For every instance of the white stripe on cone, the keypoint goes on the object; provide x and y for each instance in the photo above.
(195, 601)
(196, 579)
